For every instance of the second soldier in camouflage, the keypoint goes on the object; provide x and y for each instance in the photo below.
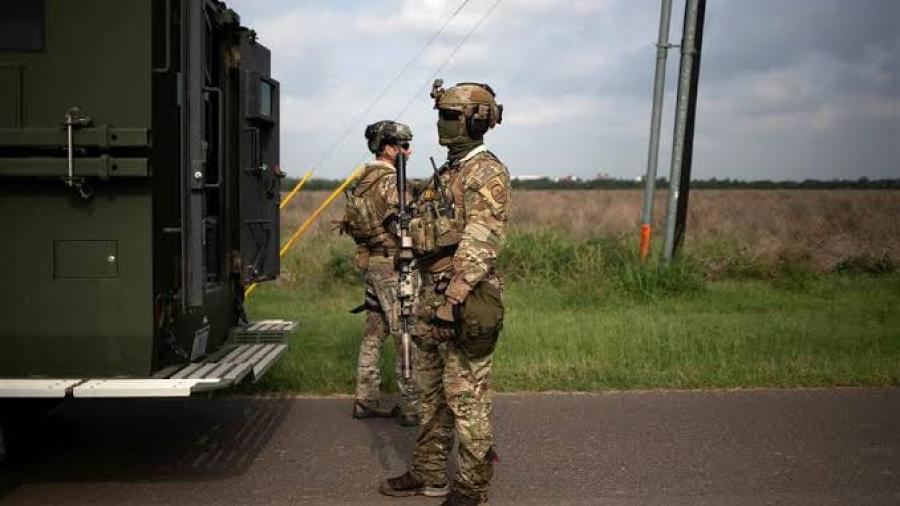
(370, 218)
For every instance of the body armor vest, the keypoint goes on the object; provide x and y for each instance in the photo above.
(366, 211)
(437, 231)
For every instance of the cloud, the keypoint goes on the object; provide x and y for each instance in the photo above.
(780, 92)
(538, 111)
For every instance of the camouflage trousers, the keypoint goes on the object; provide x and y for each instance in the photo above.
(455, 398)
(381, 286)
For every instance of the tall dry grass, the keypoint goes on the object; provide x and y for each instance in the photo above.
(824, 227)
(577, 317)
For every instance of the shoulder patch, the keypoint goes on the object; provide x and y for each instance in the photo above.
(498, 192)
(482, 169)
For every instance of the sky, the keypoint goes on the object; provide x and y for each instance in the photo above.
(789, 89)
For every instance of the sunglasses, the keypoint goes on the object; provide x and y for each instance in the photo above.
(404, 145)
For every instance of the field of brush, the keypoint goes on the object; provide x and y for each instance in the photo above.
(774, 288)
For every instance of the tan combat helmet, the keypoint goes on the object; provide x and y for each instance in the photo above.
(476, 103)
(386, 132)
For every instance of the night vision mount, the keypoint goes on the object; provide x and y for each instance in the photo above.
(437, 91)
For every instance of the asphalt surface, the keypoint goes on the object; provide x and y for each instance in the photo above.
(761, 447)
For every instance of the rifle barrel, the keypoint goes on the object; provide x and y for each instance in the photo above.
(404, 258)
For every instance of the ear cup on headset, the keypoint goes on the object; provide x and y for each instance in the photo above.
(479, 120)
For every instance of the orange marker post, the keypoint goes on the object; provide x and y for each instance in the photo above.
(645, 242)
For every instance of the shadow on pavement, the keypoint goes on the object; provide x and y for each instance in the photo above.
(139, 440)
(390, 443)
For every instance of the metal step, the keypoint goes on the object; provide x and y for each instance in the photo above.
(237, 362)
(251, 352)
(37, 388)
(263, 331)
(109, 388)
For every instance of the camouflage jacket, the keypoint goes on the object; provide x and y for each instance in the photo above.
(478, 186)
(371, 202)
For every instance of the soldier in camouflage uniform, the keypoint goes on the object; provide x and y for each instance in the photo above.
(370, 218)
(459, 228)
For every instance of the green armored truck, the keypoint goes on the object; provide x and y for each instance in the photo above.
(139, 192)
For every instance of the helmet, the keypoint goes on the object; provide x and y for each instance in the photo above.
(386, 132)
(475, 103)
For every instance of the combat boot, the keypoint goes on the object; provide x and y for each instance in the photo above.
(405, 485)
(373, 409)
(457, 498)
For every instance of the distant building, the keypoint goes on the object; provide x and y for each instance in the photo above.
(529, 177)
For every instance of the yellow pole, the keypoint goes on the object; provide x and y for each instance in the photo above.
(296, 189)
(312, 218)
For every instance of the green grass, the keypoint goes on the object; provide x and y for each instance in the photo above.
(323, 350)
(841, 331)
(609, 324)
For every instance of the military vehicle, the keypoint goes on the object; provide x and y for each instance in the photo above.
(139, 192)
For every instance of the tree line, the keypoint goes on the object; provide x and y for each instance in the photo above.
(862, 183)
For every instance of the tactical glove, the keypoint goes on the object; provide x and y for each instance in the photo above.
(443, 324)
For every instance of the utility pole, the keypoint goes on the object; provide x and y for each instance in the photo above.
(685, 112)
(659, 89)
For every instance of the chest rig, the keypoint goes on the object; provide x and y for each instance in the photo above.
(440, 219)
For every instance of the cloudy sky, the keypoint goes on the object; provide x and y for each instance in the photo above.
(789, 89)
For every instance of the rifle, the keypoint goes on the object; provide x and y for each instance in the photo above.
(403, 263)
(444, 208)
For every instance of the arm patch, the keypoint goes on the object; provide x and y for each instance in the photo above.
(485, 169)
(496, 193)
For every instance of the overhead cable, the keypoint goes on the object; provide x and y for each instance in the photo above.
(449, 57)
(390, 84)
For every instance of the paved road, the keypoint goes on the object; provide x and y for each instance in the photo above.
(822, 447)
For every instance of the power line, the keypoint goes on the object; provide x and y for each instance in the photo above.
(390, 84)
(450, 57)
